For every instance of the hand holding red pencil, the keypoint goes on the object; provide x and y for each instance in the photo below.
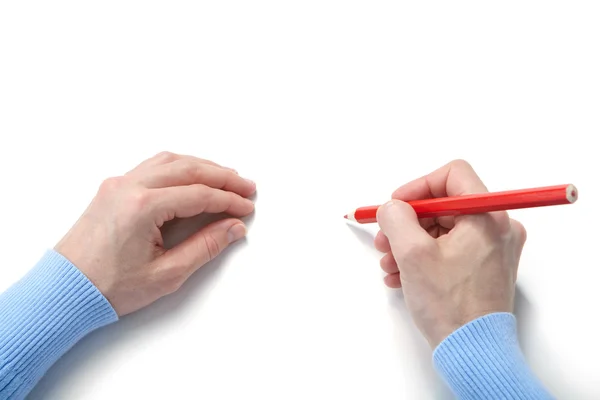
(453, 269)
(479, 203)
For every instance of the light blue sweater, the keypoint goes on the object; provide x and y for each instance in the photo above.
(50, 309)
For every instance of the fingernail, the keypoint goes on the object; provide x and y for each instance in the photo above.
(390, 203)
(384, 210)
(386, 206)
(236, 232)
(251, 182)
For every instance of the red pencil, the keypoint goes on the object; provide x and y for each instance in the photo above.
(479, 203)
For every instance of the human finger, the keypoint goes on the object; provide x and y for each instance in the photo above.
(393, 281)
(203, 246)
(192, 171)
(382, 243)
(456, 178)
(388, 263)
(191, 200)
(398, 221)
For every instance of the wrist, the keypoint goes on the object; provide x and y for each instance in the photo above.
(442, 326)
(439, 332)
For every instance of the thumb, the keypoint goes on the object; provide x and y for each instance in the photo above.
(399, 223)
(206, 244)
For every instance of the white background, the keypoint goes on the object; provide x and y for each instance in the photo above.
(327, 105)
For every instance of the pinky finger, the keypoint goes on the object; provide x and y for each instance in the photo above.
(393, 281)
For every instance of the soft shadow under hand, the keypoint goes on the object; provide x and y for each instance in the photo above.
(421, 351)
(404, 326)
(365, 236)
(131, 327)
(523, 312)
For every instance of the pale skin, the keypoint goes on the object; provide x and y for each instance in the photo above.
(454, 269)
(117, 242)
(451, 270)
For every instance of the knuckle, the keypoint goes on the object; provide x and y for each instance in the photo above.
(166, 156)
(139, 199)
(172, 285)
(192, 170)
(469, 178)
(203, 192)
(519, 230)
(461, 163)
(230, 178)
(110, 185)
(232, 198)
(209, 194)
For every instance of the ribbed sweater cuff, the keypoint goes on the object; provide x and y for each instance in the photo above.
(41, 317)
(483, 360)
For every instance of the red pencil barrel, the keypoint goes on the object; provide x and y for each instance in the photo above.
(366, 215)
(482, 202)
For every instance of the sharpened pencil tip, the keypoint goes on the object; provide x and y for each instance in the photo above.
(346, 216)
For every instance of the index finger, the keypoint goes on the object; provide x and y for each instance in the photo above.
(456, 178)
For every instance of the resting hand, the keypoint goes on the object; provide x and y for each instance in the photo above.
(117, 242)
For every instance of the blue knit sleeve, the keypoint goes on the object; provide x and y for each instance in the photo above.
(483, 360)
(41, 317)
